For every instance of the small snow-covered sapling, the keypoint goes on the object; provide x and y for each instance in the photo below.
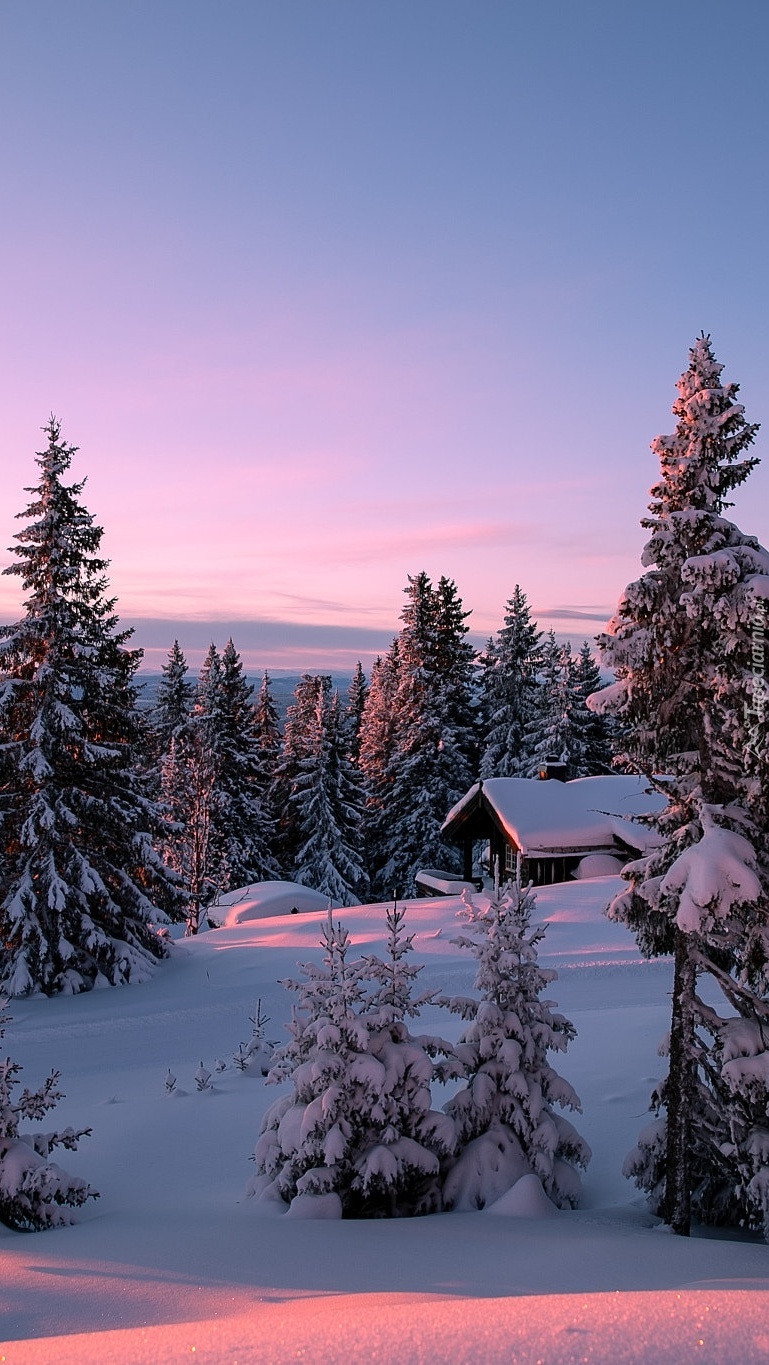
(35, 1193)
(202, 1078)
(256, 1054)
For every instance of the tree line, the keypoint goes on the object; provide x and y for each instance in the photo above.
(350, 796)
(117, 816)
(93, 842)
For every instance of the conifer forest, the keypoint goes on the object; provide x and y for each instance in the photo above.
(127, 821)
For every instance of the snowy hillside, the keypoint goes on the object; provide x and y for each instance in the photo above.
(173, 1260)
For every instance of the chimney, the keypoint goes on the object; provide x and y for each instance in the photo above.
(553, 769)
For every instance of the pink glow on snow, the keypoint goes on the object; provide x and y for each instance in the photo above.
(175, 1263)
(711, 1325)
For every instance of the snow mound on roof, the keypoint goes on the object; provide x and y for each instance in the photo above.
(264, 900)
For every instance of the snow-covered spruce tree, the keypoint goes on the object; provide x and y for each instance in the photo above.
(298, 739)
(166, 762)
(509, 690)
(566, 729)
(307, 1143)
(185, 795)
(173, 701)
(681, 647)
(355, 1137)
(455, 666)
(357, 693)
(194, 842)
(268, 742)
(377, 746)
(327, 801)
(246, 829)
(555, 707)
(591, 749)
(255, 1056)
(506, 1124)
(401, 1164)
(35, 1193)
(79, 878)
(432, 760)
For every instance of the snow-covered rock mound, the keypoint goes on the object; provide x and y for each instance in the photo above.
(526, 1199)
(598, 865)
(264, 900)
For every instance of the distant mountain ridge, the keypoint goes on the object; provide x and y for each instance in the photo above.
(282, 685)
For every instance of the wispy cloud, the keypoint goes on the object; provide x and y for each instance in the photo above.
(573, 614)
(395, 542)
(255, 631)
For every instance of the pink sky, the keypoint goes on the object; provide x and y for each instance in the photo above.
(327, 300)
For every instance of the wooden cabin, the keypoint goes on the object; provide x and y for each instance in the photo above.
(548, 827)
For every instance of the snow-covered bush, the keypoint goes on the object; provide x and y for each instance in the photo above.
(506, 1123)
(35, 1193)
(356, 1135)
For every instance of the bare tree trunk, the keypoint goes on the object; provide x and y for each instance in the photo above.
(676, 1206)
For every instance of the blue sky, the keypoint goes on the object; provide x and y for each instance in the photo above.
(330, 292)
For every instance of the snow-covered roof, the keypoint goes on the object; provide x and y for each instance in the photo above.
(444, 883)
(588, 814)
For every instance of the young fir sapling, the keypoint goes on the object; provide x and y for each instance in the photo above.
(505, 1119)
(255, 1056)
(356, 1136)
(35, 1193)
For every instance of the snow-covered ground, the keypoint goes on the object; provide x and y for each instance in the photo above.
(174, 1262)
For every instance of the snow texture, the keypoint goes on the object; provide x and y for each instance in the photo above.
(172, 1258)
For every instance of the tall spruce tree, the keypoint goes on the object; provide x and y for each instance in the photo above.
(457, 683)
(268, 742)
(245, 827)
(555, 707)
(171, 710)
(194, 841)
(327, 801)
(509, 692)
(681, 647)
(591, 751)
(298, 740)
(357, 693)
(166, 729)
(214, 788)
(267, 728)
(79, 879)
(379, 724)
(432, 756)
